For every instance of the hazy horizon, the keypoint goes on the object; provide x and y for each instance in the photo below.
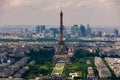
(57, 26)
(34, 12)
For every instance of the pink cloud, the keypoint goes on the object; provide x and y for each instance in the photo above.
(7, 4)
(111, 3)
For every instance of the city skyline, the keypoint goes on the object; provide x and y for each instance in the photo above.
(32, 12)
(41, 53)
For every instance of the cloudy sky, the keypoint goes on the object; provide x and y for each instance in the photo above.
(33, 12)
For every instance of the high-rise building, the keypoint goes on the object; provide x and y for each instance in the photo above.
(40, 29)
(74, 29)
(26, 30)
(116, 32)
(88, 30)
(82, 31)
(99, 34)
(54, 32)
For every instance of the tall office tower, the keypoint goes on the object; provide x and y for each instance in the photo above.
(88, 30)
(26, 30)
(99, 34)
(40, 29)
(116, 32)
(54, 32)
(74, 30)
(82, 31)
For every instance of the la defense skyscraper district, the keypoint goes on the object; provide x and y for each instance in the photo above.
(61, 51)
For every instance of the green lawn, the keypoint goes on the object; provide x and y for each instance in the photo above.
(79, 74)
(57, 71)
(59, 68)
(80, 66)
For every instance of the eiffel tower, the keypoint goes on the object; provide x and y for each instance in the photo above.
(61, 51)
